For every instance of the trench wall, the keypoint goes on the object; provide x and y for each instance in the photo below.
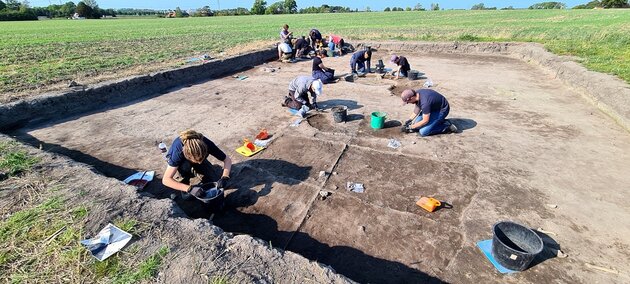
(63, 104)
(608, 93)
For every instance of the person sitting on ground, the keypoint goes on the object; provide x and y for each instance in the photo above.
(188, 158)
(285, 52)
(429, 115)
(299, 89)
(301, 47)
(320, 71)
(314, 36)
(361, 59)
(403, 66)
(285, 34)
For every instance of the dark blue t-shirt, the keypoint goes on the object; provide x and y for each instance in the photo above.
(176, 157)
(431, 101)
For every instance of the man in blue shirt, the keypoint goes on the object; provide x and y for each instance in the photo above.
(429, 115)
(188, 157)
(360, 61)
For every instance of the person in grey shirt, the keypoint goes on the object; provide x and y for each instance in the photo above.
(299, 88)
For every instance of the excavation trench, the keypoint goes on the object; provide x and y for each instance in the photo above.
(376, 236)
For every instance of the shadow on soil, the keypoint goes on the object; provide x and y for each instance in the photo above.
(463, 123)
(348, 261)
(352, 105)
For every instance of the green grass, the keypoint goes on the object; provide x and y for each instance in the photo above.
(34, 54)
(40, 244)
(13, 161)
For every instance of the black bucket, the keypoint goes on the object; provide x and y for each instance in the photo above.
(413, 75)
(515, 246)
(212, 202)
(340, 113)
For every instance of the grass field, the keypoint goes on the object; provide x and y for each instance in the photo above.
(40, 54)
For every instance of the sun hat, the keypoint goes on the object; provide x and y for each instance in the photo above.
(318, 87)
(394, 58)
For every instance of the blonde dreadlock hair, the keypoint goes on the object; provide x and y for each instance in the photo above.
(195, 150)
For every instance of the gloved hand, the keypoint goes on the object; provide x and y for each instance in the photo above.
(406, 129)
(222, 183)
(195, 190)
(408, 122)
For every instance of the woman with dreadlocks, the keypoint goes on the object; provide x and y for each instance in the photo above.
(188, 157)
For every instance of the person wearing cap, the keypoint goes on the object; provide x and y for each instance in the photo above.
(403, 66)
(299, 88)
(314, 36)
(360, 61)
(285, 34)
(187, 157)
(429, 115)
(320, 71)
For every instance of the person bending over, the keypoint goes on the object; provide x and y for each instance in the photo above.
(188, 158)
(403, 66)
(360, 61)
(429, 114)
(299, 89)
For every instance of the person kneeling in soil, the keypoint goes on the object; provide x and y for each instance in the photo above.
(360, 61)
(301, 47)
(429, 115)
(285, 52)
(299, 89)
(320, 71)
(403, 66)
(188, 158)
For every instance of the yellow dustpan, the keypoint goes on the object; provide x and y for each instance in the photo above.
(248, 149)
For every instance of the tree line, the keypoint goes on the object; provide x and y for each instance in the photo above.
(604, 4)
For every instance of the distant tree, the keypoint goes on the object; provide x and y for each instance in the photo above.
(508, 8)
(590, 5)
(435, 6)
(179, 13)
(203, 12)
(2, 5)
(408, 9)
(479, 6)
(548, 5)
(91, 3)
(84, 10)
(615, 3)
(368, 9)
(259, 7)
(418, 7)
(66, 10)
(275, 8)
(387, 9)
(12, 5)
(290, 7)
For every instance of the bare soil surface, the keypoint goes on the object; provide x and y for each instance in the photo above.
(526, 141)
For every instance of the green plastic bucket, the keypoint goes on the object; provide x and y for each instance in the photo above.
(378, 120)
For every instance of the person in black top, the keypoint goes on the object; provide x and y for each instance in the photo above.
(320, 71)
(301, 47)
(403, 66)
(314, 36)
(360, 61)
(188, 157)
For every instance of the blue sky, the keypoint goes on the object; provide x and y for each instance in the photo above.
(361, 4)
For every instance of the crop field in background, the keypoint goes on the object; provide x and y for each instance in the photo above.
(37, 55)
